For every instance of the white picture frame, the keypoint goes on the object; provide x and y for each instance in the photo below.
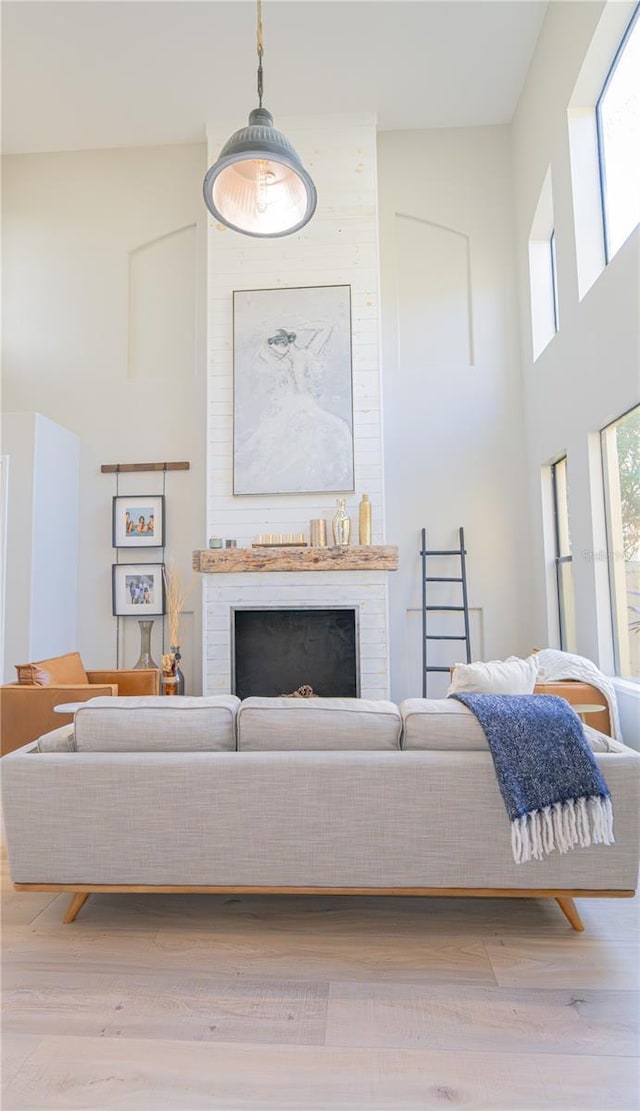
(138, 521)
(138, 589)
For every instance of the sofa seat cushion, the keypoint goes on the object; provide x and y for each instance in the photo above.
(155, 723)
(445, 724)
(343, 724)
(65, 670)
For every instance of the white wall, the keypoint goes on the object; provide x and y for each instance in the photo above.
(42, 528)
(589, 373)
(93, 243)
(54, 552)
(18, 445)
(4, 505)
(452, 394)
(104, 308)
(339, 246)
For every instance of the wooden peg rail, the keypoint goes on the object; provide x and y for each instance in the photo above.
(120, 468)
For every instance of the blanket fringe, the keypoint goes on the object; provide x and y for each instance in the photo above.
(562, 826)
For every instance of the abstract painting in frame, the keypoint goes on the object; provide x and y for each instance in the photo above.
(293, 394)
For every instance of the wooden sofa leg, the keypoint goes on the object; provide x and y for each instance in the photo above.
(76, 903)
(570, 911)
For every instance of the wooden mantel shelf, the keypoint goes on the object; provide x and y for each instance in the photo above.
(372, 557)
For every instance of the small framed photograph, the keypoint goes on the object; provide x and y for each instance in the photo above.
(138, 522)
(138, 589)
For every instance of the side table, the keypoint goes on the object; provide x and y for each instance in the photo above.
(583, 709)
(68, 707)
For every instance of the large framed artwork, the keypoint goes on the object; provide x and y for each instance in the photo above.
(292, 395)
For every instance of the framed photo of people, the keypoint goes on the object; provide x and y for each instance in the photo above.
(292, 391)
(138, 589)
(138, 521)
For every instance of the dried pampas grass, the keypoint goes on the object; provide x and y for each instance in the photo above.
(177, 595)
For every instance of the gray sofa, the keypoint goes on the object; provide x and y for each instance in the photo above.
(288, 795)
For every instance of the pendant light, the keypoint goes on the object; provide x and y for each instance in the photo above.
(258, 185)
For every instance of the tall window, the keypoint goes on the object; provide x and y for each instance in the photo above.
(618, 122)
(554, 279)
(543, 284)
(621, 458)
(564, 558)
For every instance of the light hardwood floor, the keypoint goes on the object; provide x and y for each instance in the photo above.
(167, 1003)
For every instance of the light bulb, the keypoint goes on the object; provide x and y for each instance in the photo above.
(264, 178)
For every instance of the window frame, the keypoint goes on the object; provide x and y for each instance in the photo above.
(559, 558)
(615, 585)
(602, 169)
(542, 286)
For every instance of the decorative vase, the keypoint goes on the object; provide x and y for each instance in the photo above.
(365, 520)
(169, 683)
(318, 533)
(175, 650)
(145, 660)
(341, 524)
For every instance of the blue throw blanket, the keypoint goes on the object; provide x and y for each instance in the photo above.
(552, 787)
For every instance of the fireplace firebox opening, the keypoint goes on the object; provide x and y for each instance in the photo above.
(277, 651)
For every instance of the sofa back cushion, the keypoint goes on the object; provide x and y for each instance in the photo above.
(155, 723)
(444, 723)
(317, 723)
(601, 742)
(440, 723)
(67, 670)
(61, 739)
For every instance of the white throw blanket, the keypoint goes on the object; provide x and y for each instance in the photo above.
(554, 666)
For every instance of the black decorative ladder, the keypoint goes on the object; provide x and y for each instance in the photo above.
(460, 553)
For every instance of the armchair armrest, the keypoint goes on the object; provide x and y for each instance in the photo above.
(27, 712)
(130, 681)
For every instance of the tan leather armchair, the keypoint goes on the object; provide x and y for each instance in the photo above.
(26, 712)
(576, 692)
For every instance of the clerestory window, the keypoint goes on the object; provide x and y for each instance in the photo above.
(618, 127)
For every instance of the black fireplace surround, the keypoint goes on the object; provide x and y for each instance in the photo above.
(275, 651)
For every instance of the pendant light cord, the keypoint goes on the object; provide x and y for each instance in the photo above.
(260, 44)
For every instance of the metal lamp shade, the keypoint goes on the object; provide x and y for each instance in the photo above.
(258, 185)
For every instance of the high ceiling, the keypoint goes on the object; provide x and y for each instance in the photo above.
(86, 74)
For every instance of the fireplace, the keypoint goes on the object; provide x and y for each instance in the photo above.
(275, 651)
